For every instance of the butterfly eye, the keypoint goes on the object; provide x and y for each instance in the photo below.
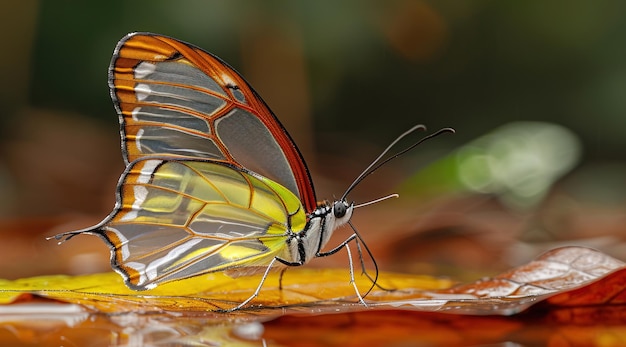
(340, 208)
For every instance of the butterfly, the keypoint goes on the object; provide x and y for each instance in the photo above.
(213, 182)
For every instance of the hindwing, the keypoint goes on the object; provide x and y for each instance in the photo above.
(177, 219)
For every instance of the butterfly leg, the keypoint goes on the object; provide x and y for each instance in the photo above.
(345, 244)
(360, 245)
(352, 280)
(374, 279)
(265, 274)
(280, 279)
(256, 291)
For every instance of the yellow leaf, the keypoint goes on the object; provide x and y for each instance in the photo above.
(106, 291)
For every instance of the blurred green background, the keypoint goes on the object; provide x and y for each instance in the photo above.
(344, 77)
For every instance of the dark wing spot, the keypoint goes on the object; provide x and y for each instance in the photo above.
(175, 56)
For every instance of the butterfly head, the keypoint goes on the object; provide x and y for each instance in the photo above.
(342, 211)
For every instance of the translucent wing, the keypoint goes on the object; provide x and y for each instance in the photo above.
(178, 219)
(176, 100)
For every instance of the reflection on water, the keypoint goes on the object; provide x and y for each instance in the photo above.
(52, 324)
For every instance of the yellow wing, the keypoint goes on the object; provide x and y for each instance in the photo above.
(176, 219)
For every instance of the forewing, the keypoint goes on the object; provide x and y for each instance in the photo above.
(176, 219)
(176, 100)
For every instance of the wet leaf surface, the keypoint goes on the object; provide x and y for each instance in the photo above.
(569, 296)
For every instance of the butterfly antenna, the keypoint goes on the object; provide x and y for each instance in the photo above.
(377, 200)
(377, 163)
